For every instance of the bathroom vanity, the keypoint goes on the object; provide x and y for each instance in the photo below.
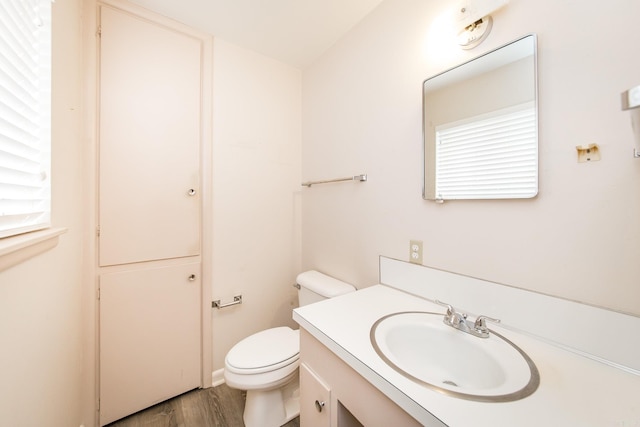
(332, 392)
(586, 379)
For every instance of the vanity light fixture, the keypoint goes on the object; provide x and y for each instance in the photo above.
(473, 21)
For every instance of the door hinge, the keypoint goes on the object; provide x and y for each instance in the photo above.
(98, 294)
(99, 31)
(98, 230)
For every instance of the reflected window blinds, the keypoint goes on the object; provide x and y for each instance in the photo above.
(491, 156)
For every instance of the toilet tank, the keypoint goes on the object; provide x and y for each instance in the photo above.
(315, 286)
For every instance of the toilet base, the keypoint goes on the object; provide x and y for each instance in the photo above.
(272, 408)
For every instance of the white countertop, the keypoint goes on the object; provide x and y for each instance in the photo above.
(574, 390)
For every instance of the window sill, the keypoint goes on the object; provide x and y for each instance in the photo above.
(16, 249)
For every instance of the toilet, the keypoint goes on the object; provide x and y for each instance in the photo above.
(265, 364)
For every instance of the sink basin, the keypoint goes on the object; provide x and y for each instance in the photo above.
(421, 347)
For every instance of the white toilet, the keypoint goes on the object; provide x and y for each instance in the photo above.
(265, 364)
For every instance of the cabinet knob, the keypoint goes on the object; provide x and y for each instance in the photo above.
(319, 405)
(192, 277)
(191, 192)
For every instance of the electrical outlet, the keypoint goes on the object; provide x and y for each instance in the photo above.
(415, 251)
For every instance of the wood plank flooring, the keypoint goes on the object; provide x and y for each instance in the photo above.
(219, 406)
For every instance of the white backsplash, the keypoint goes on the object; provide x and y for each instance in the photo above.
(601, 334)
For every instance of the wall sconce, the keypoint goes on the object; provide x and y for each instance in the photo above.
(631, 102)
(473, 21)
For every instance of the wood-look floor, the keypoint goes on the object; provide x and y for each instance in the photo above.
(219, 406)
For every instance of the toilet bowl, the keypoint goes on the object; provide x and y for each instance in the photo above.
(265, 364)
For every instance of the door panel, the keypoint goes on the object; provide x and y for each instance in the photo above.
(149, 337)
(149, 136)
(315, 399)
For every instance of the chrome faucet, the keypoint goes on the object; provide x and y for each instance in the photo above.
(459, 321)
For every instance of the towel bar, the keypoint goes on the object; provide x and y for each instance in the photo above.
(361, 178)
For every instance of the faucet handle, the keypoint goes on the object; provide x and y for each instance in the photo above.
(452, 317)
(480, 324)
(450, 309)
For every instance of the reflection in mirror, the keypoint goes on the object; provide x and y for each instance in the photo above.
(480, 127)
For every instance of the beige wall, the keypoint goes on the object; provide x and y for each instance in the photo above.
(361, 113)
(579, 239)
(256, 193)
(40, 299)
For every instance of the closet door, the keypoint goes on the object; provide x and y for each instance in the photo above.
(149, 136)
(149, 210)
(149, 337)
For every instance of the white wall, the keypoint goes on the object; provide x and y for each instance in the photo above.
(256, 199)
(579, 239)
(40, 299)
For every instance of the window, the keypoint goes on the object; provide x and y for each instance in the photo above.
(491, 156)
(25, 116)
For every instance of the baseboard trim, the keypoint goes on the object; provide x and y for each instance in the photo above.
(217, 377)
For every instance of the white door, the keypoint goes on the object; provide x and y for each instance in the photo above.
(149, 337)
(149, 207)
(315, 399)
(149, 136)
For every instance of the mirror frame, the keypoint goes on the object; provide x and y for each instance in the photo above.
(463, 72)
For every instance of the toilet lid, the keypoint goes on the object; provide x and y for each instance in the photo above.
(265, 351)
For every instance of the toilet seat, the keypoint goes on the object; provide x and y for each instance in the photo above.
(264, 351)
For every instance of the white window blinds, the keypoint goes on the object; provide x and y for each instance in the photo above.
(491, 156)
(25, 104)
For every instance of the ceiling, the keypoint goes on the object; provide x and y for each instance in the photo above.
(292, 31)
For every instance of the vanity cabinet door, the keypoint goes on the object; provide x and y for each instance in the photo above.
(315, 404)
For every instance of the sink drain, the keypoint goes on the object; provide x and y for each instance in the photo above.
(450, 383)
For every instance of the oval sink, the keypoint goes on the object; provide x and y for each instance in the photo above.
(421, 347)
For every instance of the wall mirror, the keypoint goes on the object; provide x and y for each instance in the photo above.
(480, 127)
